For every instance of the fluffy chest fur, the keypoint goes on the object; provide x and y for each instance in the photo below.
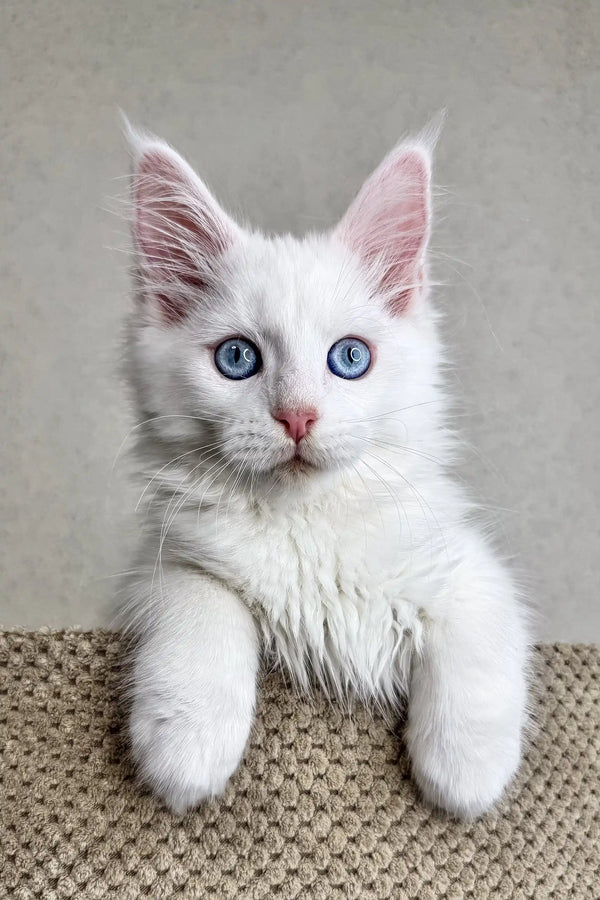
(339, 587)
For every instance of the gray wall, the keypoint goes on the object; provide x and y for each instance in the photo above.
(285, 107)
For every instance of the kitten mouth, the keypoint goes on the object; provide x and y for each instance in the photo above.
(297, 464)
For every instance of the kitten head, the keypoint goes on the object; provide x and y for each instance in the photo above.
(281, 359)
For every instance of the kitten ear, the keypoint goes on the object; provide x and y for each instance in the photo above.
(179, 229)
(388, 224)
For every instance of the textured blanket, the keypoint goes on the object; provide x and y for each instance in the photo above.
(323, 806)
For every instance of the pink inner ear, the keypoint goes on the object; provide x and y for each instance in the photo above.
(177, 228)
(388, 225)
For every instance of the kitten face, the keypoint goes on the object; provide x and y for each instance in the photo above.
(203, 281)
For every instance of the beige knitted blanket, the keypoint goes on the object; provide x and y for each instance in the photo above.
(323, 806)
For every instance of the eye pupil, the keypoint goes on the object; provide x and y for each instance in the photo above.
(237, 359)
(349, 358)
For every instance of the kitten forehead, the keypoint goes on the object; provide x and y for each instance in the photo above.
(287, 289)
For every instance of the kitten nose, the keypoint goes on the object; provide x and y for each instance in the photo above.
(296, 423)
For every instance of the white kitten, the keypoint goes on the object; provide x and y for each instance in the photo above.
(298, 501)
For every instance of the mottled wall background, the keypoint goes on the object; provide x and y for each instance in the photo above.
(285, 108)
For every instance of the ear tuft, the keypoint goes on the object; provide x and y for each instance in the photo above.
(388, 224)
(180, 231)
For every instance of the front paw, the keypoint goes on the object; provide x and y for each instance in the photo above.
(455, 774)
(185, 756)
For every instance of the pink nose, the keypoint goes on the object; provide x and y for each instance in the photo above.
(298, 423)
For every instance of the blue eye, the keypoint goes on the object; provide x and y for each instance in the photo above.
(237, 359)
(349, 358)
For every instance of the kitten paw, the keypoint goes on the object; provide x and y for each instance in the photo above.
(462, 783)
(186, 758)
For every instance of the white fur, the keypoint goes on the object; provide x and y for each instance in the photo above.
(363, 570)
